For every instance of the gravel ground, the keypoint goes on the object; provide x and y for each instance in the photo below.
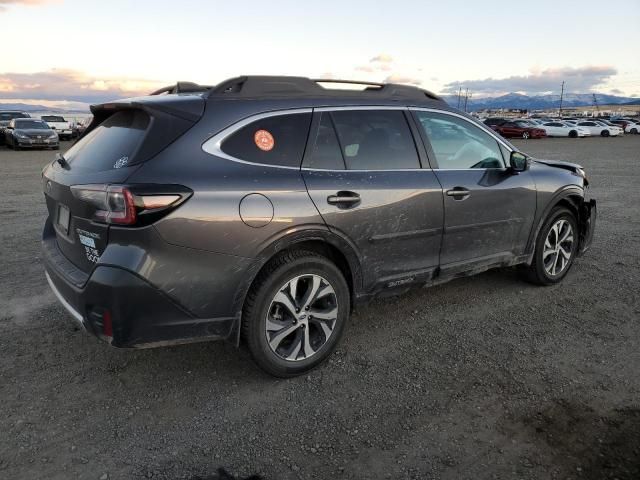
(484, 377)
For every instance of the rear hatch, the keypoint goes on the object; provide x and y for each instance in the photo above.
(122, 136)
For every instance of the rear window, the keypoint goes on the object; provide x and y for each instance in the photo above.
(278, 140)
(4, 116)
(53, 118)
(112, 144)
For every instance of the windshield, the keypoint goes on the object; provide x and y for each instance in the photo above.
(53, 118)
(11, 115)
(523, 124)
(31, 124)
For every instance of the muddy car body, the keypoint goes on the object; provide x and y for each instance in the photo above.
(264, 208)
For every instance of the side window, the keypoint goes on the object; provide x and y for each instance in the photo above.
(324, 150)
(458, 144)
(375, 140)
(277, 140)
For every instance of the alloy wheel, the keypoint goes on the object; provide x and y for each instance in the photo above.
(558, 248)
(301, 317)
(525, 135)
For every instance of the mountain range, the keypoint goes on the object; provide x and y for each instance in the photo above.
(539, 102)
(510, 100)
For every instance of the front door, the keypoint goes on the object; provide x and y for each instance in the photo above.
(363, 172)
(488, 209)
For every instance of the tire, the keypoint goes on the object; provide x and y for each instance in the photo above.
(525, 135)
(634, 131)
(273, 332)
(605, 133)
(573, 134)
(541, 271)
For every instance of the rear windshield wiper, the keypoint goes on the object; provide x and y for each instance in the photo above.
(61, 160)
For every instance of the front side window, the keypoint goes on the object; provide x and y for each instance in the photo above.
(375, 140)
(458, 144)
(278, 140)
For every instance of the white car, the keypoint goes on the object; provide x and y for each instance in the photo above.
(633, 127)
(60, 125)
(563, 129)
(617, 128)
(602, 129)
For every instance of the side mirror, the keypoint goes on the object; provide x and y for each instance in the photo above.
(518, 162)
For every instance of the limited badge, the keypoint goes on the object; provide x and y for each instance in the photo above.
(264, 140)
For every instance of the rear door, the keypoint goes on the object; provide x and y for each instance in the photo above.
(488, 209)
(363, 172)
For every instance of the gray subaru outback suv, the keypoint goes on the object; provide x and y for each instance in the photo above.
(262, 209)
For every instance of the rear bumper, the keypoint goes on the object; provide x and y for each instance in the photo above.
(141, 315)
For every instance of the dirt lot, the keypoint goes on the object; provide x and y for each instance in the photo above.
(486, 377)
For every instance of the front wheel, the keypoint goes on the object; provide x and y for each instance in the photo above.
(525, 135)
(634, 131)
(573, 134)
(295, 313)
(555, 249)
(604, 133)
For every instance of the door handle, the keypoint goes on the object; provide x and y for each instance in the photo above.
(344, 199)
(458, 193)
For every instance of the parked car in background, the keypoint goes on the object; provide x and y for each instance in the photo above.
(262, 209)
(519, 129)
(81, 125)
(30, 133)
(596, 128)
(491, 121)
(620, 123)
(615, 130)
(633, 127)
(562, 129)
(60, 125)
(5, 117)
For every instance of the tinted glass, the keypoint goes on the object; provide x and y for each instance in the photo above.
(375, 140)
(278, 140)
(30, 124)
(325, 150)
(458, 144)
(53, 118)
(11, 115)
(115, 140)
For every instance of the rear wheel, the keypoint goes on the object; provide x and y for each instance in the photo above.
(295, 313)
(573, 134)
(525, 134)
(556, 248)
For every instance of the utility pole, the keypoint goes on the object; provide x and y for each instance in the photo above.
(459, 92)
(466, 97)
(595, 102)
(561, 95)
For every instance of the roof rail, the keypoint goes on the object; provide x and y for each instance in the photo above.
(263, 85)
(182, 87)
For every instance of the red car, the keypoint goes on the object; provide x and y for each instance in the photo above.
(520, 129)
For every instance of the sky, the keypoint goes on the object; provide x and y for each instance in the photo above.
(70, 53)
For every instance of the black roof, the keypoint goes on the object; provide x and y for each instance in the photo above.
(261, 86)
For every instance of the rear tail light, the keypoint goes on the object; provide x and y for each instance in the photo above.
(130, 205)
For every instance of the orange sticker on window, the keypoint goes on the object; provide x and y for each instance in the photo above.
(264, 140)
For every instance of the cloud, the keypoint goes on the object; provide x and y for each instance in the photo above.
(5, 3)
(72, 85)
(616, 91)
(581, 79)
(382, 58)
(395, 78)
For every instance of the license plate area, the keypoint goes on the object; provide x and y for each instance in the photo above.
(63, 218)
